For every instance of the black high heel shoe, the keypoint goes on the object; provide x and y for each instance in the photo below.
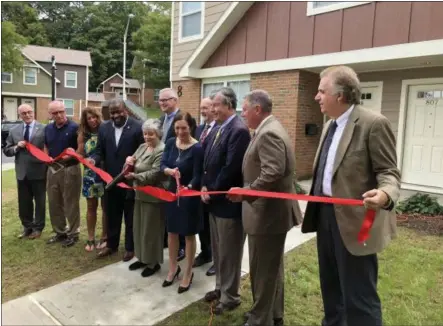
(182, 289)
(169, 283)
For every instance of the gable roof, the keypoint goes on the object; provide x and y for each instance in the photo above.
(62, 56)
(130, 82)
(40, 67)
(215, 37)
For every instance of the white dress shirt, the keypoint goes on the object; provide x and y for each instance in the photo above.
(327, 175)
(118, 131)
(31, 128)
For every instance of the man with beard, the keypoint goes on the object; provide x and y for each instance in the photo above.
(117, 140)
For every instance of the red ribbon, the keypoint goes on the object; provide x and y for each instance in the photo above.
(165, 195)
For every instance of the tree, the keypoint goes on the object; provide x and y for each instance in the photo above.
(12, 42)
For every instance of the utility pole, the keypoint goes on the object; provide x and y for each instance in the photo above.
(53, 85)
(124, 56)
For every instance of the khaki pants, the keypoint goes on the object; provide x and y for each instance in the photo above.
(64, 190)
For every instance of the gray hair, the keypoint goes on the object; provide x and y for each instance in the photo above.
(170, 90)
(260, 97)
(228, 97)
(153, 124)
(345, 81)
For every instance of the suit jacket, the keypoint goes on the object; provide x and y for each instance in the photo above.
(26, 165)
(269, 165)
(147, 171)
(365, 159)
(199, 131)
(171, 130)
(111, 156)
(222, 165)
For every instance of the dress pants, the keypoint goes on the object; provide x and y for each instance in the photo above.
(30, 192)
(266, 256)
(348, 282)
(119, 202)
(205, 236)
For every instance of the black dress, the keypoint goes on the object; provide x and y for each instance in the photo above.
(184, 218)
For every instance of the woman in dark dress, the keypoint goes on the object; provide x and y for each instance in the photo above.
(183, 157)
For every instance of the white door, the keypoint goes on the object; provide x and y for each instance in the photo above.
(423, 143)
(371, 93)
(10, 105)
(29, 101)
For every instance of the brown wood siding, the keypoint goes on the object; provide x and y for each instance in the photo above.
(278, 30)
(182, 51)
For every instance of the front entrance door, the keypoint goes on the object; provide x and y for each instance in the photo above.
(423, 143)
(10, 105)
(29, 101)
(371, 93)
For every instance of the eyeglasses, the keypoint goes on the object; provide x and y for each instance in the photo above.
(165, 99)
(57, 112)
(26, 113)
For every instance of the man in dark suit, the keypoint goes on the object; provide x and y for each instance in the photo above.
(356, 159)
(222, 169)
(168, 101)
(117, 141)
(201, 134)
(29, 171)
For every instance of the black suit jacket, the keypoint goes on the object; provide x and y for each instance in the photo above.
(111, 156)
(222, 166)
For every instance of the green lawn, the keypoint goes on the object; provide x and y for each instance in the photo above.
(154, 112)
(31, 265)
(410, 286)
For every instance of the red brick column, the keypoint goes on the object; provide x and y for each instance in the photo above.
(293, 95)
(191, 95)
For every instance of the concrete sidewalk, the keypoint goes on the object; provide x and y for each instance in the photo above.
(113, 295)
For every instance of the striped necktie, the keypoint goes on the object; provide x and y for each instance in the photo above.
(204, 133)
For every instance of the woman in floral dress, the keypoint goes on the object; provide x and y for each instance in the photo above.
(93, 186)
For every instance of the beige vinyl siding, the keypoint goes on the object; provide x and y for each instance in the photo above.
(392, 88)
(182, 51)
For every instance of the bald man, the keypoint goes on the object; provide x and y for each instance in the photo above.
(64, 186)
(29, 171)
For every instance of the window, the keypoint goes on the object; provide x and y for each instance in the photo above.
(240, 87)
(191, 21)
(156, 94)
(7, 77)
(69, 107)
(70, 79)
(320, 7)
(29, 76)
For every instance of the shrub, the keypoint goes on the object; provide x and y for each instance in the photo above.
(420, 203)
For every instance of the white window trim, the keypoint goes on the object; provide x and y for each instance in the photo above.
(225, 81)
(311, 11)
(73, 105)
(24, 75)
(66, 79)
(10, 75)
(180, 22)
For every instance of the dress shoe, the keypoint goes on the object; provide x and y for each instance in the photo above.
(128, 255)
(105, 252)
(212, 296)
(150, 271)
(200, 260)
(70, 241)
(26, 233)
(57, 238)
(35, 235)
(181, 254)
(182, 289)
(222, 307)
(167, 283)
(211, 271)
(136, 265)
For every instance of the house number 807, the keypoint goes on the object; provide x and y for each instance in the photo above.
(431, 102)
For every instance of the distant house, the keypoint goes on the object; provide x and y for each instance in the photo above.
(113, 88)
(32, 83)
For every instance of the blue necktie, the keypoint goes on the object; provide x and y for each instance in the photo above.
(26, 136)
(319, 173)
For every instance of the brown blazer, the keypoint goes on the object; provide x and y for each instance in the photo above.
(269, 165)
(365, 159)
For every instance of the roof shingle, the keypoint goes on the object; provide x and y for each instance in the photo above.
(63, 56)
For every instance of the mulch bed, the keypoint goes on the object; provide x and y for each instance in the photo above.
(432, 225)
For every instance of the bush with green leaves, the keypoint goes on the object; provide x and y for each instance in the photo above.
(420, 204)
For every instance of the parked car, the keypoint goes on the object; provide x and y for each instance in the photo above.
(6, 126)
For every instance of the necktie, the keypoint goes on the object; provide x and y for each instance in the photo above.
(26, 136)
(204, 133)
(319, 173)
(217, 135)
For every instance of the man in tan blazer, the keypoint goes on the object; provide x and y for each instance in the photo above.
(268, 165)
(356, 159)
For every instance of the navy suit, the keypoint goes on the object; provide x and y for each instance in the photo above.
(112, 157)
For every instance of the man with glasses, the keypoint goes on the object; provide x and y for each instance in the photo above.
(64, 185)
(29, 171)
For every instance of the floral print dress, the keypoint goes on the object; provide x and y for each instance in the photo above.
(93, 186)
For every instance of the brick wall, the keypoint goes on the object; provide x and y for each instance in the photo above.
(293, 95)
(191, 94)
(41, 110)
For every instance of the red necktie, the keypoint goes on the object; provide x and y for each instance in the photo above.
(204, 133)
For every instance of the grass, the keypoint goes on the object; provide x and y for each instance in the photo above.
(153, 112)
(31, 265)
(410, 283)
